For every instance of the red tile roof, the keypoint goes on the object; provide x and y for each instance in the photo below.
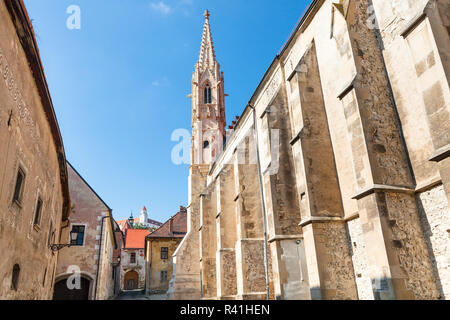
(135, 238)
(175, 227)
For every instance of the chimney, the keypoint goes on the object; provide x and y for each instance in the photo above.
(171, 226)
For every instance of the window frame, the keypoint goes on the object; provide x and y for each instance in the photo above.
(84, 234)
(38, 212)
(164, 253)
(164, 278)
(207, 94)
(18, 193)
(133, 258)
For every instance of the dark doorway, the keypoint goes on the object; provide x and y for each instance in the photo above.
(131, 280)
(63, 293)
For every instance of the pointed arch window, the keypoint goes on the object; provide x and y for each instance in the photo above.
(207, 98)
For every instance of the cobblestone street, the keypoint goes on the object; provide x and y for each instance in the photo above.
(139, 295)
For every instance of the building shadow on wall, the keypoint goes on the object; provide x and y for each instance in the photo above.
(427, 232)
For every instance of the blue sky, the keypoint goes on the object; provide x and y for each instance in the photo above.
(119, 84)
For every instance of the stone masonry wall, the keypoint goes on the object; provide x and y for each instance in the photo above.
(435, 218)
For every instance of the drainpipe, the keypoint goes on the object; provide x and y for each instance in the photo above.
(99, 254)
(263, 205)
(150, 268)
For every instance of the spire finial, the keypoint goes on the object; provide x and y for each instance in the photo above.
(206, 14)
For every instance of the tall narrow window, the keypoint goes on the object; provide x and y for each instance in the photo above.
(18, 190)
(15, 277)
(133, 258)
(164, 253)
(207, 97)
(37, 214)
(79, 241)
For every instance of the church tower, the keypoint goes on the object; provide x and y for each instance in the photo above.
(208, 102)
(143, 217)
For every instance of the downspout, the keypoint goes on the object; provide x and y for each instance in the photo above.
(150, 268)
(99, 254)
(263, 205)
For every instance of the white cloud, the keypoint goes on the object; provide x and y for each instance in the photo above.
(163, 82)
(161, 7)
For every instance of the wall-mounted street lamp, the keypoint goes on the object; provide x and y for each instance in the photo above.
(73, 242)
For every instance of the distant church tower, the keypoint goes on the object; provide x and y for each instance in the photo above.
(208, 103)
(143, 218)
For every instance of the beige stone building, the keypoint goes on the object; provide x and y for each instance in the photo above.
(159, 248)
(132, 263)
(34, 193)
(335, 181)
(93, 256)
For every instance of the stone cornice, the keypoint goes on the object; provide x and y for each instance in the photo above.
(381, 187)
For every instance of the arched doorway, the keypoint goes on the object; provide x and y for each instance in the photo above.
(131, 280)
(62, 292)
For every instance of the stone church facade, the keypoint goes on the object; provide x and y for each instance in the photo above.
(335, 181)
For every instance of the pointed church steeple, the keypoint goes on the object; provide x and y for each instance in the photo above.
(208, 102)
(207, 56)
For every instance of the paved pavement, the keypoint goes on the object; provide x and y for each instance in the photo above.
(139, 295)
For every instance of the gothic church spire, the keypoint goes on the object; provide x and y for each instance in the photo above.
(207, 56)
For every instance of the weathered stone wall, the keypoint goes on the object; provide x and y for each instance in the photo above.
(156, 264)
(106, 282)
(360, 261)
(87, 210)
(26, 142)
(127, 266)
(185, 282)
(352, 121)
(435, 220)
